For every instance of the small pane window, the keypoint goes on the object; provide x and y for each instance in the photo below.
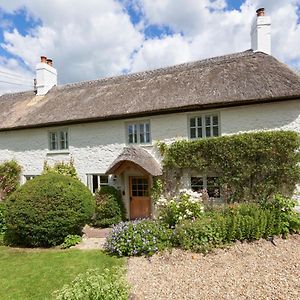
(139, 133)
(58, 140)
(204, 126)
(210, 184)
(139, 187)
(213, 188)
(197, 184)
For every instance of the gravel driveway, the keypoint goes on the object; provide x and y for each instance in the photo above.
(256, 270)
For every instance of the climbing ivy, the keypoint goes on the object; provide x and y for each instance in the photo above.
(250, 166)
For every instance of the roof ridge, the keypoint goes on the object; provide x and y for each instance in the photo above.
(216, 59)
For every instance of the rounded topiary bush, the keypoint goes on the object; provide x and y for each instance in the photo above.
(43, 211)
(110, 208)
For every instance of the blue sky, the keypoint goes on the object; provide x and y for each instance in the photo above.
(97, 38)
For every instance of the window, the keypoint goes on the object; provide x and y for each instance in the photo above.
(96, 181)
(139, 187)
(29, 177)
(204, 126)
(209, 183)
(58, 140)
(138, 133)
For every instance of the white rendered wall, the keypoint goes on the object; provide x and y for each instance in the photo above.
(94, 146)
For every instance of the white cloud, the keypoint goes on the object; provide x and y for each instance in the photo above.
(19, 79)
(86, 41)
(95, 38)
(157, 53)
(210, 30)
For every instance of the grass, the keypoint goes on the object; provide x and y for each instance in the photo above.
(37, 273)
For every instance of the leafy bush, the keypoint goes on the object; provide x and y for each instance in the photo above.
(2, 220)
(138, 237)
(186, 206)
(10, 172)
(93, 285)
(235, 222)
(202, 234)
(63, 168)
(283, 207)
(46, 209)
(110, 209)
(71, 240)
(249, 165)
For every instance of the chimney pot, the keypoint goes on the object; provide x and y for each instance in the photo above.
(43, 59)
(260, 12)
(49, 62)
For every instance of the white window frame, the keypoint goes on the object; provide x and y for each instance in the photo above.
(90, 181)
(137, 125)
(29, 177)
(61, 136)
(203, 125)
(205, 184)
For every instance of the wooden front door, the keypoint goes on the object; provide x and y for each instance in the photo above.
(140, 201)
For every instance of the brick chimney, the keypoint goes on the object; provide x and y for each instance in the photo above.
(46, 76)
(261, 32)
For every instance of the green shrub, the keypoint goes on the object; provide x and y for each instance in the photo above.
(46, 209)
(93, 285)
(202, 234)
(70, 241)
(186, 206)
(250, 165)
(286, 216)
(2, 220)
(235, 222)
(63, 168)
(140, 237)
(110, 209)
(10, 172)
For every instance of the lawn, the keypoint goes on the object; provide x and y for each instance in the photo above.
(36, 273)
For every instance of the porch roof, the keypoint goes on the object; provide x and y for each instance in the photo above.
(139, 157)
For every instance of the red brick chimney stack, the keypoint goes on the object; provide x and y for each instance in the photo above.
(260, 12)
(49, 62)
(43, 59)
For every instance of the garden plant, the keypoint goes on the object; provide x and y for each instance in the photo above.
(110, 209)
(46, 209)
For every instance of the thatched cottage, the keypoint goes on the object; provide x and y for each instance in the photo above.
(109, 126)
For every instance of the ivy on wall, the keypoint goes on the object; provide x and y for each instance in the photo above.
(250, 166)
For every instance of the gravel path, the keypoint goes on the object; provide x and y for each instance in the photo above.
(256, 270)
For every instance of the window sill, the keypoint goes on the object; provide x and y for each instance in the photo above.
(141, 144)
(53, 152)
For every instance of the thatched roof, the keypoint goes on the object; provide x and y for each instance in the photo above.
(237, 79)
(139, 157)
